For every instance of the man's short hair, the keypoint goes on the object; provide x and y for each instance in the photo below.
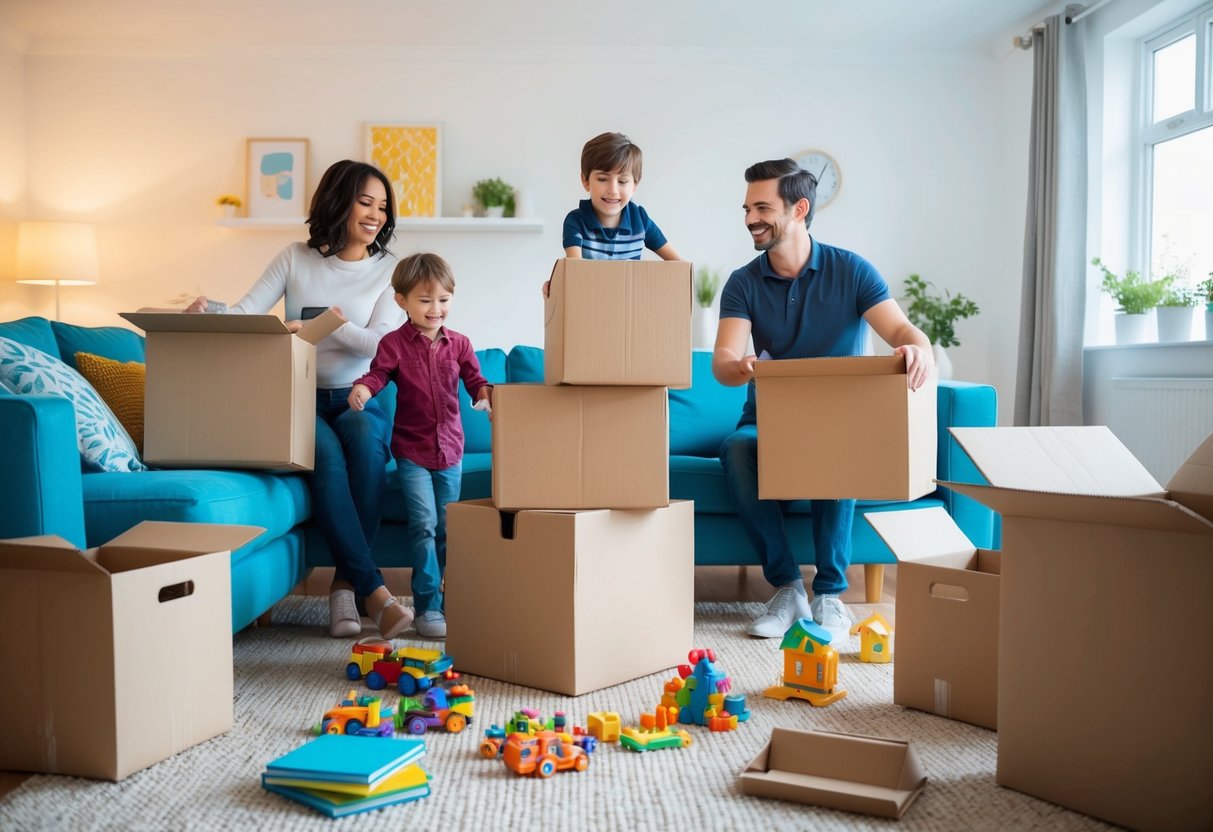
(795, 183)
(611, 151)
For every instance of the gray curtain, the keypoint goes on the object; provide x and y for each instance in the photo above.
(1048, 389)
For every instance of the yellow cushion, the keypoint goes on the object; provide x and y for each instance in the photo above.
(120, 386)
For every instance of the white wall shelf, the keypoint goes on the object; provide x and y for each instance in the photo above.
(464, 224)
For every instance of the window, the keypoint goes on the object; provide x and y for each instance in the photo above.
(1176, 146)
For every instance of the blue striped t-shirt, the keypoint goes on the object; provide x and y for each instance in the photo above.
(625, 242)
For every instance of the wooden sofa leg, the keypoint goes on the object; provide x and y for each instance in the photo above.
(873, 582)
(266, 618)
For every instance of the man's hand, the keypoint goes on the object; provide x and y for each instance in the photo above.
(359, 396)
(920, 364)
(745, 366)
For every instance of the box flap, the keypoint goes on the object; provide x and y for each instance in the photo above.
(46, 553)
(320, 327)
(921, 533)
(1058, 460)
(182, 322)
(1192, 484)
(862, 365)
(199, 538)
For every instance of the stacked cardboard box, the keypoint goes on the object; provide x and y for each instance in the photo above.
(544, 582)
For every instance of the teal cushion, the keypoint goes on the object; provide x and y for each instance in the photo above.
(525, 365)
(103, 442)
(477, 430)
(33, 332)
(703, 415)
(111, 342)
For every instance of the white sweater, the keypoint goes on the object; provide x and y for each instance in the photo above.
(363, 290)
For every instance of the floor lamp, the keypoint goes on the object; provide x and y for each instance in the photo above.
(58, 254)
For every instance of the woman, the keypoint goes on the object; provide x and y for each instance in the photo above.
(344, 265)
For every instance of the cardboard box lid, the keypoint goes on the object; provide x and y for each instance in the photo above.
(860, 365)
(312, 331)
(921, 534)
(1192, 484)
(842, 771)
(46, 553)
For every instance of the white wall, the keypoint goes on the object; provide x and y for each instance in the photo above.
(12, 150)
(932, 148)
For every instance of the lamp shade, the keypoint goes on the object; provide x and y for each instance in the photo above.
(60, 253)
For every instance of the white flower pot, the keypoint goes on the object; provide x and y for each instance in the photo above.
(943, 361)
(229, 211)
(1209, 322)
(1134, 329)
(495, 211)
(703, 327)
(1175, 323)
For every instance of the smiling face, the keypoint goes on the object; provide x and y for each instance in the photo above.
(610, 192)
(427, 306)
(367, 216)
(766, 217)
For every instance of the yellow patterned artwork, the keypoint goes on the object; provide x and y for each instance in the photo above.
(410, 155)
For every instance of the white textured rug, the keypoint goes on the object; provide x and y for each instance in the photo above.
(289, 673)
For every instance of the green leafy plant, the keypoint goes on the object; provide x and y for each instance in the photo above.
(1180, 296)
(707, 281)
(936, 315)
(1134, 294)
(493, 192)
(1205, 287)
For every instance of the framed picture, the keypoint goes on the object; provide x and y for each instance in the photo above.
(411, 157)
(276, 177)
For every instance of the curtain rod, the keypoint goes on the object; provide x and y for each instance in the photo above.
(1024, 41)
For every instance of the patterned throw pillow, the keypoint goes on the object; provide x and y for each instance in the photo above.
(103, 442)
(120, 385)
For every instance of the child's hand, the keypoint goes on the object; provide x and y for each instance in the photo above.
(484, 401)
(359, 396)
(547, 288)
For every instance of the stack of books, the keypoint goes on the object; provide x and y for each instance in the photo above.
(340, 774)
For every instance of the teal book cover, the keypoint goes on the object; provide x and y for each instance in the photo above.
(411, 783)
(342, 758)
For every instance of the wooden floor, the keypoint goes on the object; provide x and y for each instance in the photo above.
(712, 583)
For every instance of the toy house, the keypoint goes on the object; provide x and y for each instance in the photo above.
(810, 666)
(875, 639)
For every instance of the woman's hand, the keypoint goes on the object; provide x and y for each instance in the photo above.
(199, 305)
(359, 396)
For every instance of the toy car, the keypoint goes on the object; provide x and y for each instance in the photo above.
(543, 754)
(441, 708)
(358, 715)
(411, 669)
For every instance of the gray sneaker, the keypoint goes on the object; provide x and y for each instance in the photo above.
(431, 624)
(835, 617)
(786, 605)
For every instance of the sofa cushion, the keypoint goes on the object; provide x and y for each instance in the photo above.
(114, 503)
(525, 365)
(703, 415)
(113, 342)
(120, 385)
(103, 442)
(33, 332)
(477, 430)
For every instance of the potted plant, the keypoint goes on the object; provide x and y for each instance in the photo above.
(1177, 313)
(1136, 298)
(229, 203)
(1205, 290)
(936, 315)
(495, 196)
(703, 316)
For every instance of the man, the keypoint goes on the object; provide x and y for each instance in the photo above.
(800, 298)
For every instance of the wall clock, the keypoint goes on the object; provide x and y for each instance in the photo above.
(825, 168)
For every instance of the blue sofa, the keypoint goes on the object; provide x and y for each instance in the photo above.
(44, 491)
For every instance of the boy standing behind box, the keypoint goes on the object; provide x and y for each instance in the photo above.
(426, 360)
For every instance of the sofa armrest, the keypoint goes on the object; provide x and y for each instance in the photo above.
(40, 479)
(963, 404)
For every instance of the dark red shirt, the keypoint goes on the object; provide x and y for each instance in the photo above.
(428, 430)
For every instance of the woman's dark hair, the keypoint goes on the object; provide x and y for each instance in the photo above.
(331, 204)
(795, 183)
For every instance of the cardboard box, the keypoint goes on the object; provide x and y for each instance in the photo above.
(843, 428)
(117, 657)
(569, 601)
(622, 322)
(580, 447)
(946, 660)
(869, 775)
(232, 391)
(1105, 650)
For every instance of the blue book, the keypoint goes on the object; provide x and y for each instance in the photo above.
(343, 758)
(410, 783)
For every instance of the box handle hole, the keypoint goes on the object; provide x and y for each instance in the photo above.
(507, 524)
(174, 591)
(949, 591)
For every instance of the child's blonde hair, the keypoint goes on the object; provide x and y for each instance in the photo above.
(609, 152)
(420, 270)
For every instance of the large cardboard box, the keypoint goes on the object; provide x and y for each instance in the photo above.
(947, 616)
(580, 447)
(118, 657)
(1105, 650)
(618, 322)
(869, 775)
(569, 601)
(237, 391)
(843, 428)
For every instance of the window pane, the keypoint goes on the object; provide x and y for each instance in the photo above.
(1175, 78)
(1183, 211)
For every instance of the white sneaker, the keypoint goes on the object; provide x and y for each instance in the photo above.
(835, 617)
(786, 605)
(343, 614)
(431, 624)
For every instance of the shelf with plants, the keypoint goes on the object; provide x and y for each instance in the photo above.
(464, 224)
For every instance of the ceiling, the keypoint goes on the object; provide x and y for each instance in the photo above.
(803, 26)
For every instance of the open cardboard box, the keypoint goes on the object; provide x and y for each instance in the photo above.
(233, 391)
(118, 657)
(869, 775)
(947, 616)
(843, 428)
(1105, 653)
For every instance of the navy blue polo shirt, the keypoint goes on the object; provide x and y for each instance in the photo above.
(627, 241)
(818, 313)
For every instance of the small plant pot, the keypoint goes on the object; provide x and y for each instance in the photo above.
(1209, 322)
(496, 211)
(229, 211)
(703, 327)
(1175, 323)
(943, 361)
(1134, 329)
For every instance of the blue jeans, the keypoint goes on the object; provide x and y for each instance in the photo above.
(348, 482)
(763, 521)
(426, 494)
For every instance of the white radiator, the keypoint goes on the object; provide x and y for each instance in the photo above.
(1161, 420)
